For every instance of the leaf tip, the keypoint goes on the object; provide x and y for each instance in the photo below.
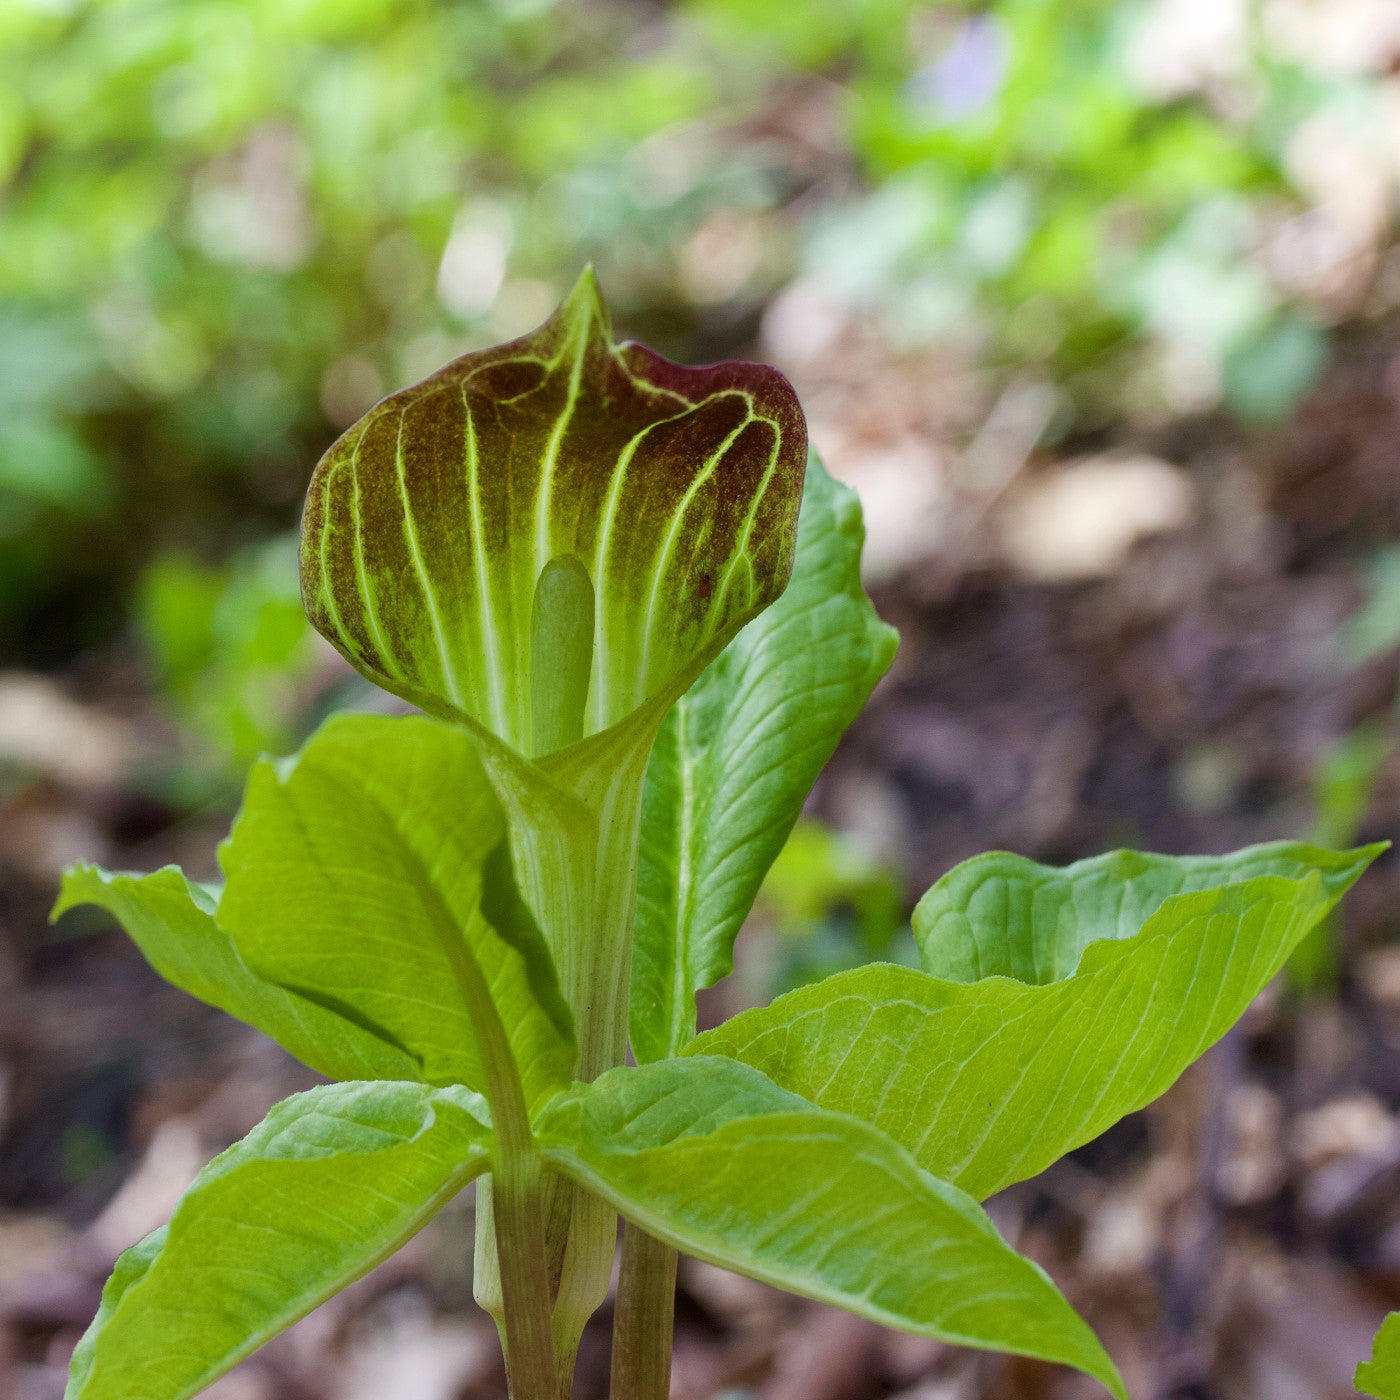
(75, 886)
(1349, 866)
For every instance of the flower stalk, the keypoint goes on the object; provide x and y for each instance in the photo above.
(644, 1318)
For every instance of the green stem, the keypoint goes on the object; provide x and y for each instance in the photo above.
(574, 832)
(575, 820)
(585, 1233)
(517, 1186)
(644, 1318)
(519, 1219)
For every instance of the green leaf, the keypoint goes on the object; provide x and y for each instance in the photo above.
(1380, 1376)
(715, 1159)
(1001, 915)
(989, 1082)
(131, 1267)
(358, 874)
(326, 1186)
(736, 758)
(432, 524)
(175, 924)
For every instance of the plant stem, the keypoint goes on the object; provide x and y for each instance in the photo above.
(518, 1214)
(584, 1238)
(517, 1201)
(643, 1319)
(574, 834)
(575, 822)
(517, 1186)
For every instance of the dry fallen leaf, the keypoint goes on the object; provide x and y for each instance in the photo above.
(1079, 520)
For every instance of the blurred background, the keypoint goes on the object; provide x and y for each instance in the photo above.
(1096, 303)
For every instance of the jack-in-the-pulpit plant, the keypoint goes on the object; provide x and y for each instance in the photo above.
(630, 605)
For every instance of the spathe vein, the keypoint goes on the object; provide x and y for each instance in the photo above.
(663, 555)
(371, 611)
(600, 551)
(449, 674)
(579, 341)
(484, 606)
(741, 549)
(325, 589)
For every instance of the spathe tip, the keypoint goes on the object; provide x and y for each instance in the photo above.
(585, 302)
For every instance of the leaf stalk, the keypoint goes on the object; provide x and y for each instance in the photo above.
(644, 1319)
(517, 1197)
(516, 1191)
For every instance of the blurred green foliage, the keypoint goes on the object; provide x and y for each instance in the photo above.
(1050, 188)
(1343, 787)
(230, 225)
(232, 652)
(829, 905)
(1374, 629)
(1347, 774)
